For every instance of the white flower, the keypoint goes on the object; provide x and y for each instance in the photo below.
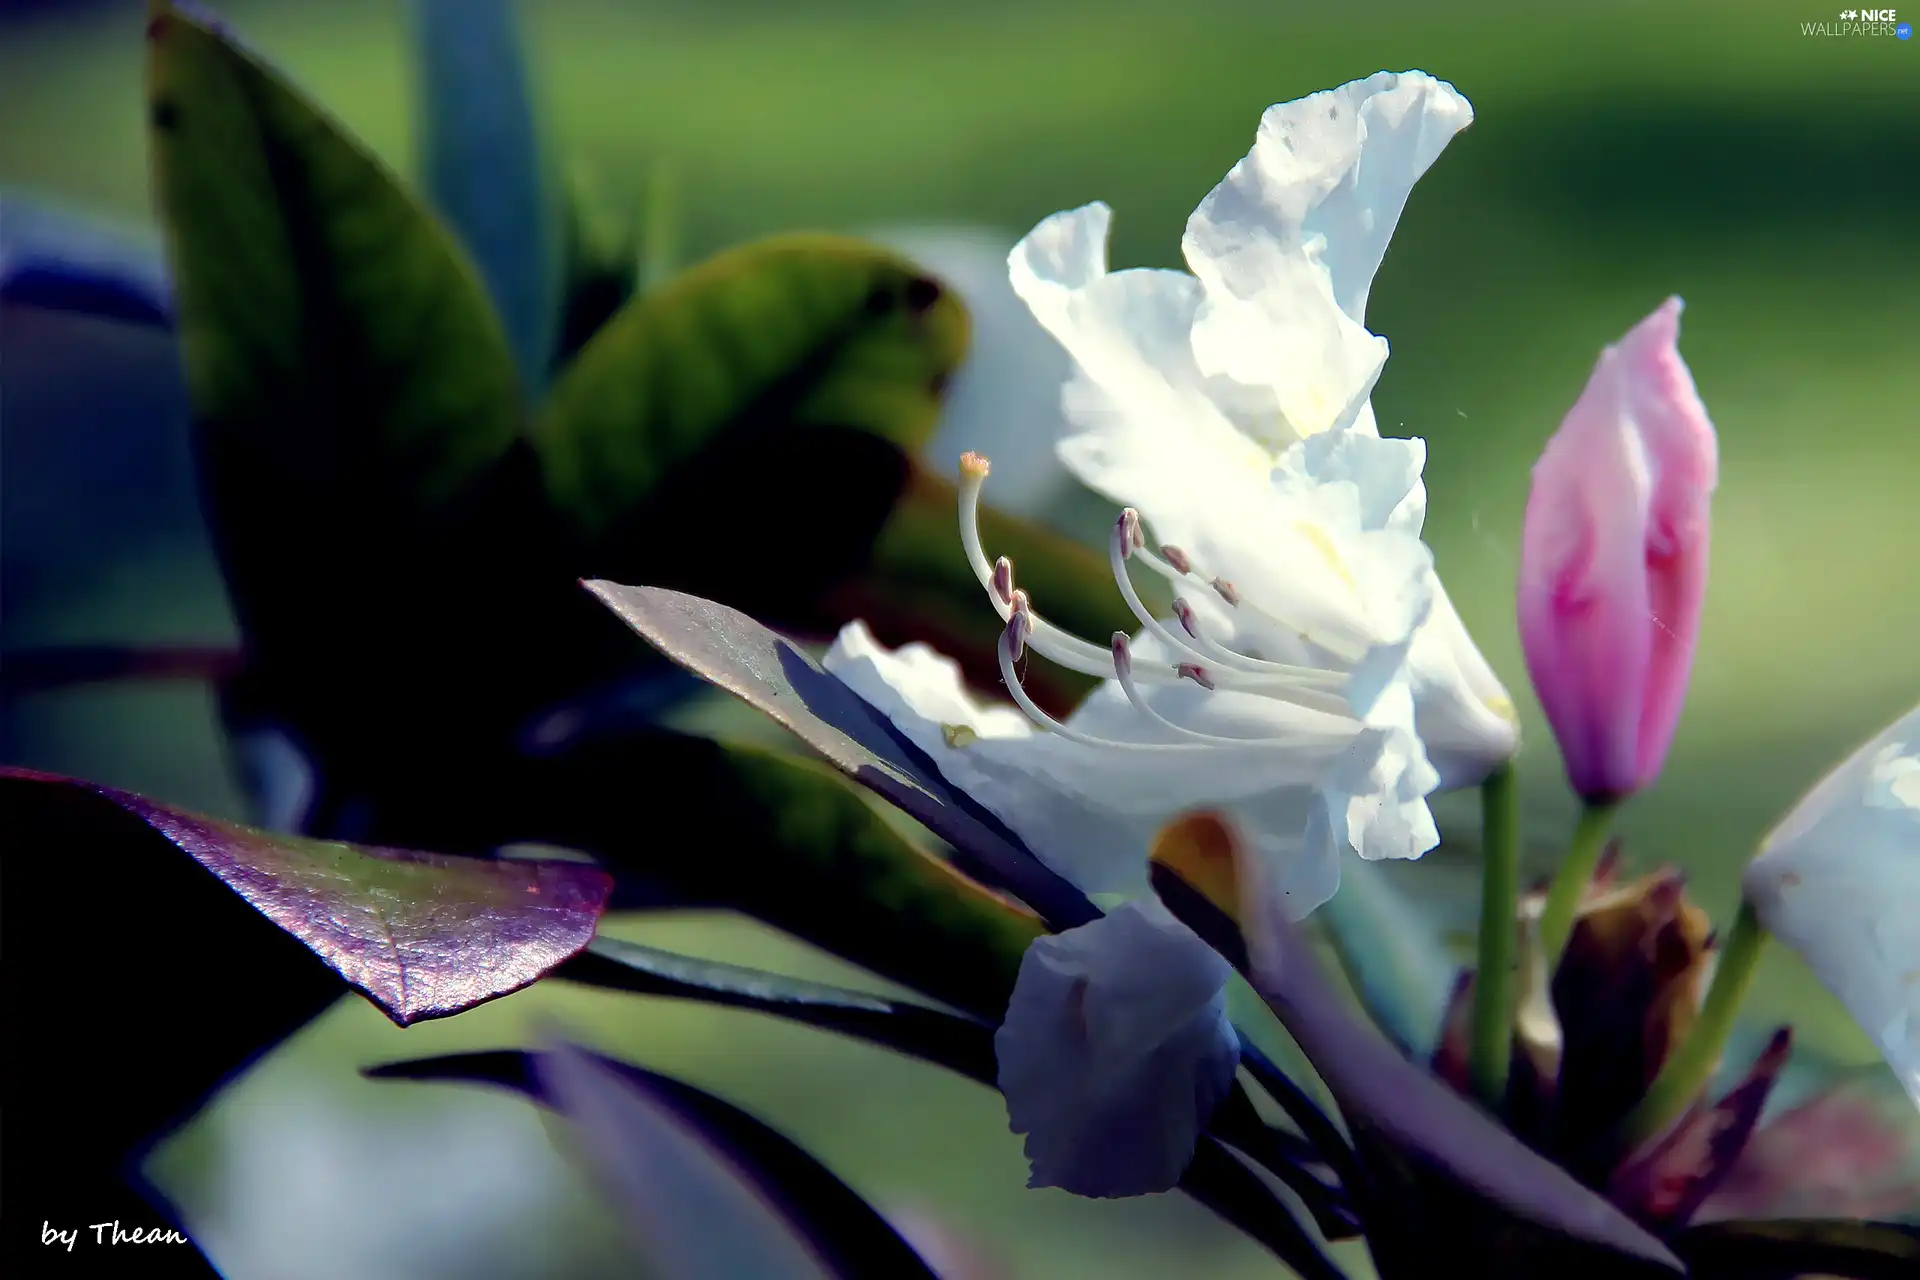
(1229, 408)
(1191, 388)
(1115, 1052)
(1839, 881)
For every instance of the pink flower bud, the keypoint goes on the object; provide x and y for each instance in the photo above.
(1613, 560)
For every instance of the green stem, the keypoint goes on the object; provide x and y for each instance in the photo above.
(1493, 984)
(1571, 881)
(1692, 1066)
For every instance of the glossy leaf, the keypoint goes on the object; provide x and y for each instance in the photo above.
(960, 1043)
(1796, 1249)
(780, 837)
(682, 1164)
(1443, 1176)
(600, 270)
(423, 935)
(349, 379)
(773, 675)
(792, 357)
(65, 261)
(482, 166)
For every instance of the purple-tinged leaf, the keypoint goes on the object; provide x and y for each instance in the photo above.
(1663, 1186)
(1796, 1249)
(770, 673)
(64, 261)
(1443, 1175)
(423, 935)
(645, 1131)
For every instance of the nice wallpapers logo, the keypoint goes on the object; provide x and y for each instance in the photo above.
(1862, 22)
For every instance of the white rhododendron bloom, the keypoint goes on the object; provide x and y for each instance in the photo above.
(1310, 637)
(1839, 882)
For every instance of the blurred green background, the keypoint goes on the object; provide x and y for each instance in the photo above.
(1621, 153)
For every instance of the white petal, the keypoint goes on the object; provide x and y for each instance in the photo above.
(1330, 173)
(1004, 401)
(1089, 813)
(1115, 1052)
(1463, 713)
(1839, 882)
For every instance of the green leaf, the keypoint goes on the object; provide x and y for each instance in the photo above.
(783, 839)
(482, 165)
(600, 271)
(349, 380)
(749, 353)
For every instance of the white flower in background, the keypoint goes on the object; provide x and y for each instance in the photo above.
(1839, 881)
(1005, 399)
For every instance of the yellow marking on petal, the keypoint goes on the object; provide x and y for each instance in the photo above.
(1323, 543)
(1503, 707)
(959, 735)
(1203, 850)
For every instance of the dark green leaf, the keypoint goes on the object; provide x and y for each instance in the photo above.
(784, 839)
(1791, 1249)
(482, 165)
(601, 270)
(350, 380)
(794, 334)
(739, 655)
(636, 1129)
(954, 1041)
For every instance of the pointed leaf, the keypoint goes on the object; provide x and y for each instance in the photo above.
(770, 673)
(423, 935)
(776, 362)
(348, 377)
(1795, 1249)
(65, 261)
(1664, 1186)
(955, 1041)
(482, 165)
(679, 1157)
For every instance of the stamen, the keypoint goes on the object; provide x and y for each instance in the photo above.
(1177, 558)
(1226, 590)
(1122, 661)
(1019, 625)
(1002, 584)
(1196, 673)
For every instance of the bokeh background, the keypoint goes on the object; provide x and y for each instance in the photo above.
(1621, 153)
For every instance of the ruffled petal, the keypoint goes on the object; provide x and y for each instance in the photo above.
(1115, 1052)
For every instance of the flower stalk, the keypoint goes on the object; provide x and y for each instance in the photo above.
(1499, 901)
(1688, 1071)
(1571, 880)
